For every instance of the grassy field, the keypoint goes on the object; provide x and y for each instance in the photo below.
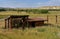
(44, 32)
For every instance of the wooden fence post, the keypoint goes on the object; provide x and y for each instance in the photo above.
(5, 24)
(47, 18)
(56, 19)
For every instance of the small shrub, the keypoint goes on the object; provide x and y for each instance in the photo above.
(58, 26)
(44, 11)
(2, 10)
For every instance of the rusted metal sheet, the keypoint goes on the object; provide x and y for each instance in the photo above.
(36, 19)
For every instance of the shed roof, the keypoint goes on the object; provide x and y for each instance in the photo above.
(16, 16)
(36, 19)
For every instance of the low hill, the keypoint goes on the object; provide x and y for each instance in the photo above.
(49, 7)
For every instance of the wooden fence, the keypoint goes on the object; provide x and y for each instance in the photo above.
(53, 19)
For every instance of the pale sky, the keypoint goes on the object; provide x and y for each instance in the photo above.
(28, 3)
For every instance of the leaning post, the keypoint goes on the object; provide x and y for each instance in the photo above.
(5, 24)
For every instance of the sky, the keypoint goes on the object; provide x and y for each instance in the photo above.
(28, 3)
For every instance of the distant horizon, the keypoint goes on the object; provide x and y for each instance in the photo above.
(28, 3)
(28, 7)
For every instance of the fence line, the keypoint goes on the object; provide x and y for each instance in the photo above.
(53, 18)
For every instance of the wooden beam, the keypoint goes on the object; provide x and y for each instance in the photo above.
(10, 23)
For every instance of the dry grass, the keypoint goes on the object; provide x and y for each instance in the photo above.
(44, 32)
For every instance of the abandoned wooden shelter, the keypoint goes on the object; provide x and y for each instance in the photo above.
(17, 21)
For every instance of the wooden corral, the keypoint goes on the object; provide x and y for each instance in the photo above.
(15, 21)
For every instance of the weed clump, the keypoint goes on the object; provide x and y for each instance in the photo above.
(41, 30)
